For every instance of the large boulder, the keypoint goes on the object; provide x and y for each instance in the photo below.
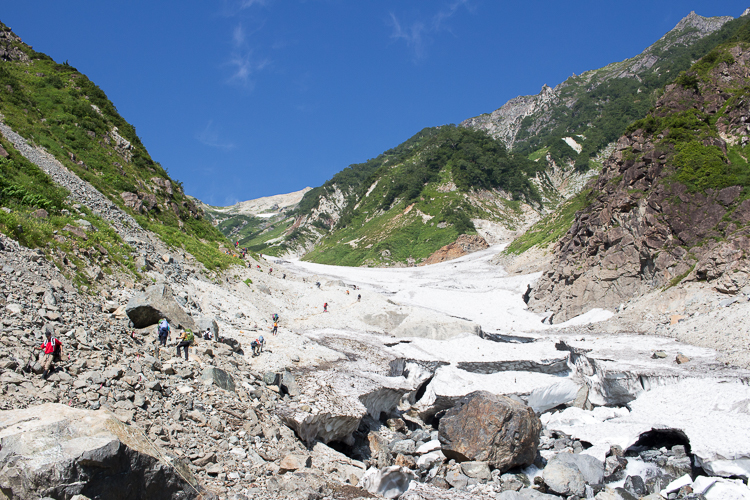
(490, 428)
(568, 473)
(56, 451)
(154, 303)
(219, 377)
(204, 323)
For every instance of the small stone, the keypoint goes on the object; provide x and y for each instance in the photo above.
(477, 470)
(214, 469)
(681, 358)
(293, 462)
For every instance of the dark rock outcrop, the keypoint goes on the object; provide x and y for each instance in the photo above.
(490, 428)
(645, 226)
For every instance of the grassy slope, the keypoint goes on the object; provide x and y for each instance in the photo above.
(378, 230)
(53, 106)
(602, 114)
(685, 133)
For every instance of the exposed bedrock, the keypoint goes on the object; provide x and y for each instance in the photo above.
(56, 451)
(643, 228)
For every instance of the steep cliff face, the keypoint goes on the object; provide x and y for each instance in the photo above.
(672, 203)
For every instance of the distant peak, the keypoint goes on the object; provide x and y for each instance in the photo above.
(747, 11)
(703, 24)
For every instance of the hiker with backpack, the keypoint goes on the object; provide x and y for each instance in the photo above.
(257, 345)
(163, 331)
(187, 340)
(52, 351)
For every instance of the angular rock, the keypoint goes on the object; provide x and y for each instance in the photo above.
(155, 303)
(490, 428)
(568, 473)
(203, 323)
(294, 461)
(219, 377)
(477, 470)
(289, 384)
(95, 455)
(390, 482)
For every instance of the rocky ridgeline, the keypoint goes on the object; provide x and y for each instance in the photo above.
(529, 115)
(641, 233)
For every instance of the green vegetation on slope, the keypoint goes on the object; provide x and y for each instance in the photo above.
(601, 115)
(354, 177)
(552, 227)
(24, 188)
(408, 210)
(56, 107)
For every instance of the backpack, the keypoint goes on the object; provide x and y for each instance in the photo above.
(189, 336)
(163, 327)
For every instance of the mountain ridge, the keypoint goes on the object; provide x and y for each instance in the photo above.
(565, 161)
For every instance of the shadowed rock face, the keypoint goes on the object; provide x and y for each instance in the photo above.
(56, 451)
(155, 303)
(490, 428)
(643, 229)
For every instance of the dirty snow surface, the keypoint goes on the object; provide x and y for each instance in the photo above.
(469, 287)
(512, 352)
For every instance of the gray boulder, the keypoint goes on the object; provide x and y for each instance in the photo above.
(219, 377)
(289, 383)
(390, 482)
(203, 323)
(53, 450)
(155, 303)
(568, 473)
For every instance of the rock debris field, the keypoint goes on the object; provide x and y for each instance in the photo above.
(436, 383)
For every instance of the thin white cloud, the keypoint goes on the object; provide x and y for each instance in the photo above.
(238, 36)
(243, 60)
(246, 4)
(416, 35)
(211, 136)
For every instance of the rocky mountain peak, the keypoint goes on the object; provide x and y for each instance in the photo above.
(704, 24)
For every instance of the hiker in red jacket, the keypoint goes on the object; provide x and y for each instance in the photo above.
(52, 349)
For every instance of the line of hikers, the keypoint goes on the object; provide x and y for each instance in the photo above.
(187, 337)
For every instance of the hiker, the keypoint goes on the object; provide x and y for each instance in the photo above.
(187, 340)
(52, 348)
(347, 292)
(317, 283)
(325, 307)
(270, 270)
(359, 296)
(275, 327)
(163, 331)
(257, 345)
(283, 276)
(208, 334)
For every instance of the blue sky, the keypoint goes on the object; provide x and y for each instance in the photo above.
(247, 98)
